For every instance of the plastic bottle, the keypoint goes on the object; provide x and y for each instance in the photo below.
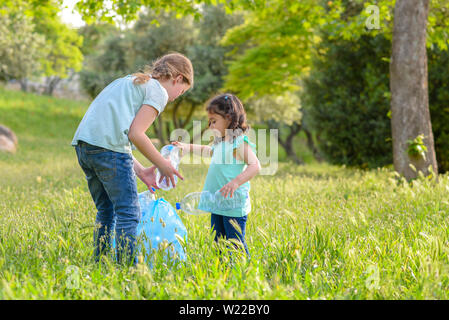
(146, 197)
(171, 153)
(197, 203)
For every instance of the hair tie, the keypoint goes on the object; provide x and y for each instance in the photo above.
(226, 97)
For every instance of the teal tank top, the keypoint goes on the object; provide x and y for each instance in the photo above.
(223, 168)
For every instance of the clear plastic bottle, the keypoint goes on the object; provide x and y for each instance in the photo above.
(197, 203)
(146, 197)
(171, 153)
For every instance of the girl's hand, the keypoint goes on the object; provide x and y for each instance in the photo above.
(183, 146)
(229, 189)
(169, 172)
(148, 176)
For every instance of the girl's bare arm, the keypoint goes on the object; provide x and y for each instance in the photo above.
(197, 149)
(253, 167)
(143, 120)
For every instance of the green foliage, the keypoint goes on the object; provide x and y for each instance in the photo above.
(61, 52)
(55, 50)
(93, 81)
(347, 98)
(283, 108)
(438, 64)
(119, 53)
(93, 35)
(416, 147)
(128, 10)
(126, 52)
(20, 47)
(438, 25)
(273, 48)
(208, 56)
(107, 62)
(345, 117)
(348, 19)
(122, 52)
(148, 41)
(274, 44)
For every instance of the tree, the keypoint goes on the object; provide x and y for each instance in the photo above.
(149, 41)
(20, 48)
(273, 48)
(93, 34)
(208, 56)
(129, 10)
(61, 52)
(347, 19)
(438, 62)
(127, 51)
(272, 51)
(56, 52)
(280, 112)
(300, 20)
(410, 116)
(346, 97)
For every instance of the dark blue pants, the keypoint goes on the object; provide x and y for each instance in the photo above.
(113, 187)
(223, 228)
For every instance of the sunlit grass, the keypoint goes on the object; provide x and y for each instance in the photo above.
(315, 231)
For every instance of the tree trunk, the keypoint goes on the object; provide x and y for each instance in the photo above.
(410, 114)
(287, 144)
(175, 113)
(50, 84)
(311, 144)
(159, 129)
(24, 84)
(168, 130)
(189, 116)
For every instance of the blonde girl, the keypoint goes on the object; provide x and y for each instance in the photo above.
(114, 124)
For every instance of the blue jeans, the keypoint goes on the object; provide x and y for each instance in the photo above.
(112, 185)
(223, 228)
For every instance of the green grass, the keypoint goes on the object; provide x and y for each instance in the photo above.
(315, 231)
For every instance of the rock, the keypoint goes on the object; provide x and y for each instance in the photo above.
(8, 140)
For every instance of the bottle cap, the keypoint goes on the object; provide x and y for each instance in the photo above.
(178, 206)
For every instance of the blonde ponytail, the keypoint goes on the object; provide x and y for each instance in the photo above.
(167, 67)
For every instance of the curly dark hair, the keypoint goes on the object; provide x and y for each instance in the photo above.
(229, 106)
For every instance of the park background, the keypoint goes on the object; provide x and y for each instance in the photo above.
(340, 219)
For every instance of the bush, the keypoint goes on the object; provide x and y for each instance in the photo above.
(347, 94)
(438, 64)
(347, 98)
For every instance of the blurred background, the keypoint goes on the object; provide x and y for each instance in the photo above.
(316, 70)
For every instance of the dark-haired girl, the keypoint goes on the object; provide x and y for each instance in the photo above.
(233, 164)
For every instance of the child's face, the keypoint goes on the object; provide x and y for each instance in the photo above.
(218, 122)
(175, 88)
